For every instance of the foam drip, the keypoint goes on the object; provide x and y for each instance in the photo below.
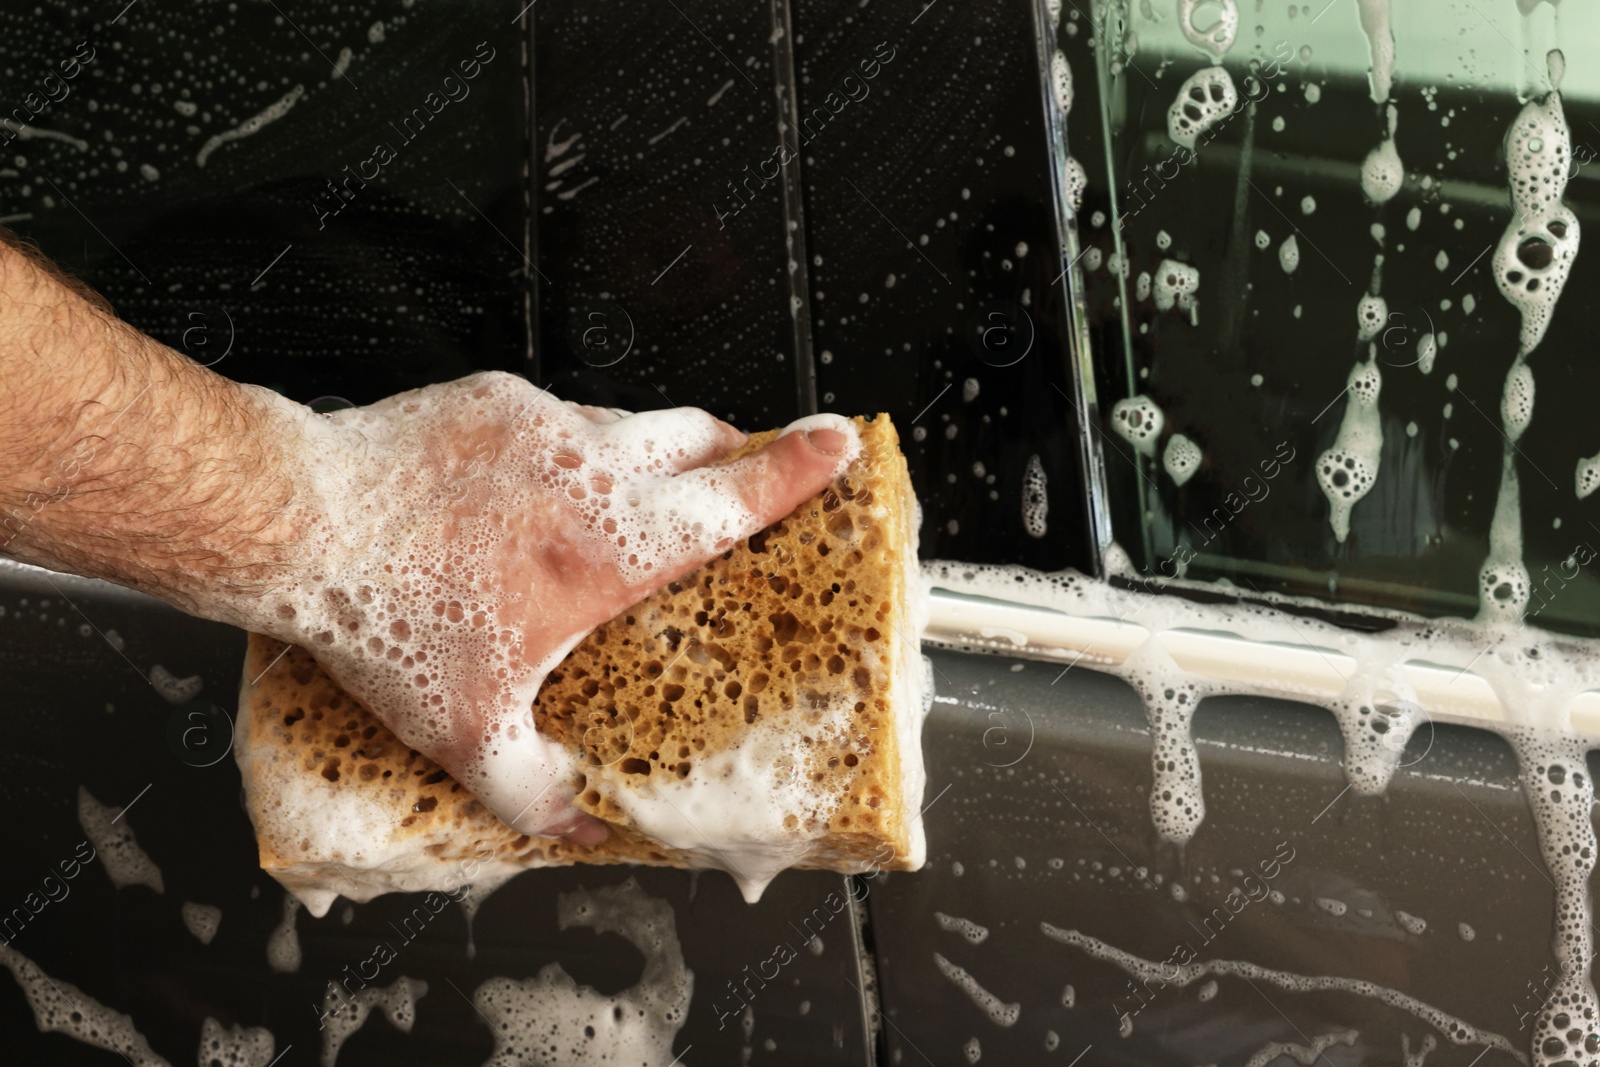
(999, 1012)
(1374, 18)
(1205, 99)
(550, 1019)
(283, 944)
(1138, 420)
(1382, 172)
(62, 1007)
(1167, 973)
(1347, 470)
(1555, 780)
(1535, 253)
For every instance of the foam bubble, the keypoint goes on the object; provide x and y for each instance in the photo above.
(62, 1007)
(972, 1050)
(343, 1015)
(1138, 420)
(1516, 400)
(1263, 240)
(1204, 100)
(999, 1012)
(1035, 499)
(1371, 313)
(1382, 172)
(1347, 470)
(1588, 476)
(1181, 458)
(1412, 924)
(235, 1046)
(1141, 286)
(201, 920)
(283, 944)
(1289, 254)
(965, 927)
(1427, 351)
(549, 1019)
(1176, 285)
(1216, 37)
(1077, 180)
(108, 831)
(1061, 81)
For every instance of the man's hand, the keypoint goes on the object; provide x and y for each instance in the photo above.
(457, 541)
(438, 552)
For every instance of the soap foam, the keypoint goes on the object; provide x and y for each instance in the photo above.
(1180, 459)
(62, 1007)
(1138, 420)
(283, 944)
(418, 486)
(1205, 99)
(125, 862)
(1289, 254)
(1382, 172)
(550, 1019)
(968, 929)
(1374, 18)
(1347, 470)
(235, 1046)
(1457, 1030)
(1216, 38)
(1035, 499)
(1176, 285)
(343, 1015)
(999, 1012)
(201, 920)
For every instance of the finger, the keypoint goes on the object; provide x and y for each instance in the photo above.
(588, 832)
(672, 440)
(737, 499)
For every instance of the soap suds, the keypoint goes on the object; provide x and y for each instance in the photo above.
(965, 927)
(1347, 470)
(1205, 99)
(201, 920)
(344, 1015)
(1138, 421)
(1181, 459)
(62, 1007)
(1035, 498)
(283, 944)
(1382, 172)
(235, 1046)
(125, 862)
(999, 1012)
(551, 1020)
(1180, 975)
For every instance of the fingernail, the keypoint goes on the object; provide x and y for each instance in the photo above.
(828, 442)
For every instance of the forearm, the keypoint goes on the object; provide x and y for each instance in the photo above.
(121, 459)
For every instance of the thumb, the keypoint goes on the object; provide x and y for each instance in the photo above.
(763, 487)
